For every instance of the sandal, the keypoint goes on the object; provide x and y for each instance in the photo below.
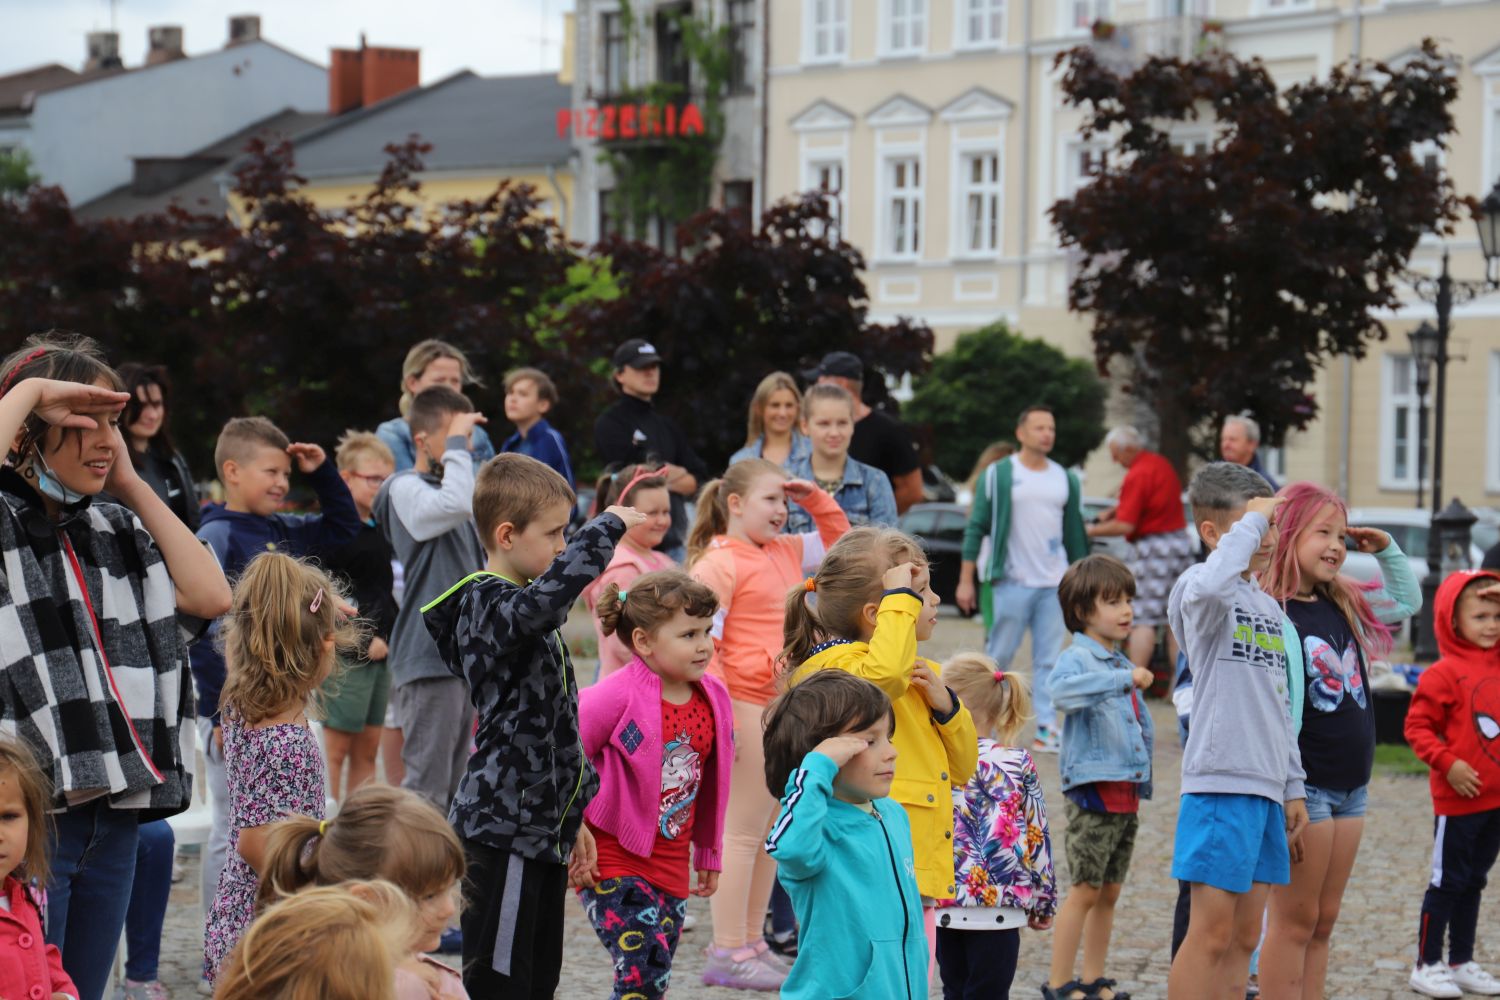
(1104, 984)
(1073, 990)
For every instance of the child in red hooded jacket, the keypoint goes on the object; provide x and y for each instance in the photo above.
(1454, 726)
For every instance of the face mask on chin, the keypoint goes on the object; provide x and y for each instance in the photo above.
(52, 487)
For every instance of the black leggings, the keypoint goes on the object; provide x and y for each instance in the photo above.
(977, 965)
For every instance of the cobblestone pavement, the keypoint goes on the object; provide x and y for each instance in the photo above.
(1372, 948)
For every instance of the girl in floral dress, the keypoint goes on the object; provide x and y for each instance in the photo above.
(1002, 852)
(280, 636)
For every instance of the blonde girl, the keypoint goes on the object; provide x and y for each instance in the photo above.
(338, 942)
(25, 971)
(1002, 850)
(773, 432)
(864, 612)
(280, 638)
(379, 833)
(643, 487)
(737, 547)
(430, 363)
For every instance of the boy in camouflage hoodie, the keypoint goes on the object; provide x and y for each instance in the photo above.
(519, 806)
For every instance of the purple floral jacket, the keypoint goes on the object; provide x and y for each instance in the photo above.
(1002, 852)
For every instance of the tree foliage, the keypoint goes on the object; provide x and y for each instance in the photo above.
(1226, 277)
(16, 174)
(973, 394)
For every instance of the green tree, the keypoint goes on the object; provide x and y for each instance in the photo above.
(16, 174)
(974, 392)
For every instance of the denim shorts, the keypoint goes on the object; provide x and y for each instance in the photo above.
(1335, 803)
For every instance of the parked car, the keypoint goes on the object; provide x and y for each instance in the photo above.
(936, 486)
(1408, 527)
(939, 528)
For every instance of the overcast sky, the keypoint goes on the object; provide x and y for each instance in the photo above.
(488, 36)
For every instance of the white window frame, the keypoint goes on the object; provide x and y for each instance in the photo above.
(885, 203)
(911, 21)
(837, 28)
(1069, 179)
(1390, 403)
(964, 150)
(985, 10)
(1266, 8)
(1492, 436)
(601, 81)
(1068, 11)
(814, 162)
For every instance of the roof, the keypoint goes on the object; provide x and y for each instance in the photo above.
(17, 89)
(472, 122)
(95, 76)
(201, 192)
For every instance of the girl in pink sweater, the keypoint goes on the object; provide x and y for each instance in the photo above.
(660, 732)
(643, 487)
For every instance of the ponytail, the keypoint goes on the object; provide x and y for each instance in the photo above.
(999, 700)
(291, 858)
(802, 630)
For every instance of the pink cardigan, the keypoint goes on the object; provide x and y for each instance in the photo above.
(629, 799)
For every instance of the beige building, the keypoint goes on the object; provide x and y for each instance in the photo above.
(937, 129)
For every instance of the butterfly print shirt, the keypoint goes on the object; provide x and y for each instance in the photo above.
(1338, 718)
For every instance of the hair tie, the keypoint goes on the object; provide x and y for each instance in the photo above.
(11, 376)
(999, 676)
(623, 594)
(810, 584)
(322, 827)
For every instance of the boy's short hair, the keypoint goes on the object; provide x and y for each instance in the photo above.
(431, 409)
(826, 703)
(516, 488)
(243, 436)
(1221, 488)
(1087, 582)
(355, 445)
(546, 389)
(1033, 408)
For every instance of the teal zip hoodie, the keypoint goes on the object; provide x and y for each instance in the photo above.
(990, 515)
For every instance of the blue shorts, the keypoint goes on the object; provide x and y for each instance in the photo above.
(1335, 803)
(1231, 841)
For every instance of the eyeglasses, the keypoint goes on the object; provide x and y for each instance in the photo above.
(374, 481)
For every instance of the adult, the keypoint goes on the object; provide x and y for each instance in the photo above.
(1149, 515)
(773, 434)
(430, 363)
(879, 438)
(632, 432)
(1031, 508)
(1239, 442)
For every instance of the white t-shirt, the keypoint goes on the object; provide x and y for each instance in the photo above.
(1034, 553)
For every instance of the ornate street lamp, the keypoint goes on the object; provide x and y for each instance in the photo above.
(1424, 348)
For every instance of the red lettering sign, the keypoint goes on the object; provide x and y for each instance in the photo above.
(614, 122)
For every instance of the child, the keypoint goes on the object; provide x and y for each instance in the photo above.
(1002, 851)
(356, 702)
(644, 488)
(661, 735)
(254, 460)
(529, 397)
(330, 943)
(90, 592)
(737, 547)
(426, 514)
(843, 848)
(431, 363)
(519, 806)
(1332, 632)
(1453, 724)
(28, 967)
(1105, 764)
(1234, 835)
(379, 833)
(280, 638)
(862, 491)
(864, 612)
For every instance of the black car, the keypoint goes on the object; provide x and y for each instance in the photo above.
(940, 529)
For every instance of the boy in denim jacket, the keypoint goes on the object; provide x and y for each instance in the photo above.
(1105, 763)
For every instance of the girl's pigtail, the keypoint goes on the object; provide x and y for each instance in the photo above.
(291, 858)
(610, 608)
(1015, 710)
(802, 630)
(711, 519)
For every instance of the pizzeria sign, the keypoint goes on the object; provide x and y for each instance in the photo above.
(630, 121)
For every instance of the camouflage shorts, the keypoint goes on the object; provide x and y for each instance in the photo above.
(1099, 844)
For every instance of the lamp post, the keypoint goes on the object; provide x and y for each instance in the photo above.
(1424, 350)
(1444, 292)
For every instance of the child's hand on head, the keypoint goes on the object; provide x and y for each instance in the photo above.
(462, 425)
(708, 883)
(1464, 779)
(898, 577)
(73, 404)
(1490, 593)
(309, 457)
(938, 697)
(629, 515)
(841, 749)
(798, 489)
(1369, 539)
(1265, 506)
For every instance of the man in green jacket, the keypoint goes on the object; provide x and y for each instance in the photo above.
(1030, 509)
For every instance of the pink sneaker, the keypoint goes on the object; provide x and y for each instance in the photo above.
(763, 949)
(741, 969)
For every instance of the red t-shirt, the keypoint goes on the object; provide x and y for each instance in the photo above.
(688, 738)
(1151, 497)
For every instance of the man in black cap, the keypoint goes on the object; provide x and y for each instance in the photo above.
(632, 431)
(879, 438)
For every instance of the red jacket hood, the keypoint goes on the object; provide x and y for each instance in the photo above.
(1450, 643)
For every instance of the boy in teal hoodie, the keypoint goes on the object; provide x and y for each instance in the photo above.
(841, 845)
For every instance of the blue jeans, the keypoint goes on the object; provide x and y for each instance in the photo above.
(93, 866)
(148, 900)
(1018, 608)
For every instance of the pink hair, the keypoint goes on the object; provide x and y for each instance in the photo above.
(1283, 578)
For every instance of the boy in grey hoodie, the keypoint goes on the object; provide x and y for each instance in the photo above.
(1235, 838)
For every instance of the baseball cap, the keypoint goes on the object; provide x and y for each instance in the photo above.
(636, 353)
(841, 364)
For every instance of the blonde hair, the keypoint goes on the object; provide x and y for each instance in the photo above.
(274, 636)
(240, 438)
(993, 452)
(848, 578)
(1000, 701)
(650, 601)
(712, 517)
(18, 763)
(355, 445)
(768, 387)
(826, 392)
(425, 353)
(380, 832)
(516, 488)
(340, 942)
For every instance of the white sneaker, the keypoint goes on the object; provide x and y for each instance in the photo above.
(1472, 978)
(689, 922)
(205, 988)
(1435, 980)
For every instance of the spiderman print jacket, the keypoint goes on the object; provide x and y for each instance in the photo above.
(1002, 851)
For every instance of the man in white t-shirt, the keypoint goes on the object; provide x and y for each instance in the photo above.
(1031, 509)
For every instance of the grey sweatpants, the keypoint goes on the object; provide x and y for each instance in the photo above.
(437, 726)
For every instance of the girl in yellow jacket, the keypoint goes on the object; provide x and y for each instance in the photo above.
(864, 612)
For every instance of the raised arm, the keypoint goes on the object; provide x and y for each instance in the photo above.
(429, 513)
(339, 522)
(798, 840)
(1400, 594)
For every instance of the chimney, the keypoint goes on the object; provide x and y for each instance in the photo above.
(164, 44)
(243, 28)
(360, 77)
(104, 51)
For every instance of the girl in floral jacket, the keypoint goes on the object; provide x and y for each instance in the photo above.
(1002, 852)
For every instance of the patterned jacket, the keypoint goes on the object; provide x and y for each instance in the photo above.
(528, 781)
(95, 663)
(1002, 851)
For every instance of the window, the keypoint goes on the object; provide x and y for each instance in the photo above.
(905, 28)
(615, 47)
(671, 54)
(741, 46)
(903, 207)
(981, 22)
(1429, 156)
(827, 177)
(1399, 437)
(1080, 15)
(739, 200)
(979, 197)
(1284, 6)
(1081, 161)
(827, 30)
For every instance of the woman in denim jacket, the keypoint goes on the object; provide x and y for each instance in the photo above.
(862, 491)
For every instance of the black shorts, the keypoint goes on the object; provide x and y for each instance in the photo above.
(512, 924)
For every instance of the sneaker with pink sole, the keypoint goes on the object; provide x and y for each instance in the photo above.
(741, 969)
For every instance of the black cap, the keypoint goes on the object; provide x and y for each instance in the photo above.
(636, 353)
(841, 364)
